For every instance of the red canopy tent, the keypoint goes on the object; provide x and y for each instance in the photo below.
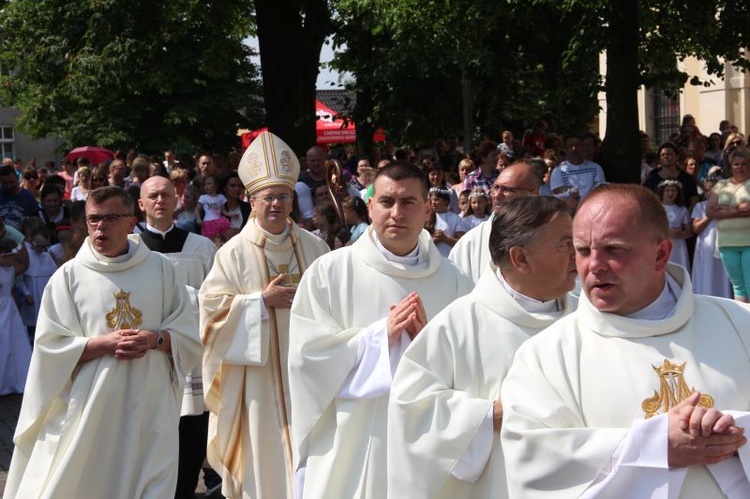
(329, 129)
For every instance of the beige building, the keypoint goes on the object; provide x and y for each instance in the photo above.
(726, 98)
(14, 144)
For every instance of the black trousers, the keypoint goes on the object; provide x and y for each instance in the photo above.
(193, 441)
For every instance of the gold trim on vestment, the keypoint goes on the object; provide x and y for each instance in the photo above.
(672, 390)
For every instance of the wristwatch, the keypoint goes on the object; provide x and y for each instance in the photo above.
(159, 338)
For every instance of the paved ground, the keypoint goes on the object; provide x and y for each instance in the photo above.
(9, 408)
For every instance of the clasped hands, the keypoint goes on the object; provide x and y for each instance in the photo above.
(701, 436)
(129, 344)
(407, 315)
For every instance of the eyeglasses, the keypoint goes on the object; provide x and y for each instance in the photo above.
(736, 143)
(506, 189)
(282, 198)
(107, 218)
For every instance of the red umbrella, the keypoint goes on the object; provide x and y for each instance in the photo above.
(95, 154)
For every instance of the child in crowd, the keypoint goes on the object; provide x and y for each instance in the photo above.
(355, 214)
(185, 218)
(443, 225)
(210, 213)
(477, 212)
(463, 202)
(709, 276)
(327, 226)
(670, 193)
(366, 178)
(41, 268)
(15, 350)
(64, 238)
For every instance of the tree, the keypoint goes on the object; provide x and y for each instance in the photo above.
(130, 73)
(290, 37)
(411, 58)
(643, 42)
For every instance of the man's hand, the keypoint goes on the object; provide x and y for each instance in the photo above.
(497, 415)
(276, 295)
(408, 314)
(134, 343)
(701, 436)
(110, 344)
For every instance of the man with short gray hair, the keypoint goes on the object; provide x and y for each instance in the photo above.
(470, 254)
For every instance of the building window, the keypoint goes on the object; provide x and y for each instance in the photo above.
(666, 115)
(7, 142)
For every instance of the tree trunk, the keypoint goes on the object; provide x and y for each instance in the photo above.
(468, 112)
(621, 147)
(289, 41)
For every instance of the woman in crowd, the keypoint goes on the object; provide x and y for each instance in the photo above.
(81, 191)
(238, 210)
(99, 176)
(708, 276)
(465, 166)
(53, 212)
(714, 152)
(729, 204)
(668, 170)
(734, 141)
(436, 178)
(30, 181)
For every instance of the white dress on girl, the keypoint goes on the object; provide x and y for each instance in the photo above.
(709, 276)
(41, 268)
(471, 221)
(15, 350)
(678, 218)
(448, 222)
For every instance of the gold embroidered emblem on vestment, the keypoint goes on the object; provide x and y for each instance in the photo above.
(124, 315)
(672, 390)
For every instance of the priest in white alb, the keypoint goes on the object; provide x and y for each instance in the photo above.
(356, 311)
(445, 411)
(115, 338)
(245, 302)
(642, 391)
(471, 253)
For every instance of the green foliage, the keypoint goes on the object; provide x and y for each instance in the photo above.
(129, 73)
(410, 57)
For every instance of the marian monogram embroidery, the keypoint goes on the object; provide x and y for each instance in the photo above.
(672, 390)
(124, 315)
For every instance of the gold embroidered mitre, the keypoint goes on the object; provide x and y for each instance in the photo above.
(268, 161)
(672, 390)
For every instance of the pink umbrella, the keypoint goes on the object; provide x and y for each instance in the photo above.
(94, 154)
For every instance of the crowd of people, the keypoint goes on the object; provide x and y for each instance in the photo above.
(432, 329)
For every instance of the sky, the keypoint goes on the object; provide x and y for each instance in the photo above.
(327, 79)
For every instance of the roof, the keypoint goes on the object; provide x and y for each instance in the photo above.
(341, 101)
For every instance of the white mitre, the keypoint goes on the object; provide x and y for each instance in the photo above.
(267, 162)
